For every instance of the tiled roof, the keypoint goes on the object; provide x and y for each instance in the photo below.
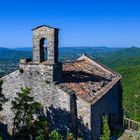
(87, 79)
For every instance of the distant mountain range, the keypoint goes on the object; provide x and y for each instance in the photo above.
(69, 53)
(22, 49)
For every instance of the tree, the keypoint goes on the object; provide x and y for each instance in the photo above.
(3, 99)
(24, 108)
(105, 129)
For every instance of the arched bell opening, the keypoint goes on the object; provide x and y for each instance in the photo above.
(43, 50)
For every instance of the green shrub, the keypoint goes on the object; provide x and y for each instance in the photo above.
(105, 129)
(54, 135)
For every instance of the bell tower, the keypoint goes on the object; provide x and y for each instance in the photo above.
(45, 52)
(44, 64)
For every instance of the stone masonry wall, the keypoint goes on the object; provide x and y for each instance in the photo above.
(53, 99)
(48, 72)
(84, 113)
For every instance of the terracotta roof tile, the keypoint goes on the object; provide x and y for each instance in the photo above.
(88, 80)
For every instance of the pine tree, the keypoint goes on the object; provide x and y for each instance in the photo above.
(105, 129)
(24, 108)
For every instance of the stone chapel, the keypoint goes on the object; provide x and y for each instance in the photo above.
(75, 94)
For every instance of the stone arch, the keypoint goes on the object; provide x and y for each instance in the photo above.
(43, 44)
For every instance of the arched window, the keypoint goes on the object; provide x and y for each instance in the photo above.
(43, 49)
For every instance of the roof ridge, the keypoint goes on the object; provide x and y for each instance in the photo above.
(71, 61)
(91, 59)
(44, 26)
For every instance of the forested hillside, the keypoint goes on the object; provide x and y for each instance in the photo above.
(126, 61)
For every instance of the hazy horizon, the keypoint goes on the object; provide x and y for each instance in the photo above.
(70, 47)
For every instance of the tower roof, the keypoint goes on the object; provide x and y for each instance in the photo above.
(44, 26)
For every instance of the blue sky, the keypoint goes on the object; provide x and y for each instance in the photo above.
(113, 23)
